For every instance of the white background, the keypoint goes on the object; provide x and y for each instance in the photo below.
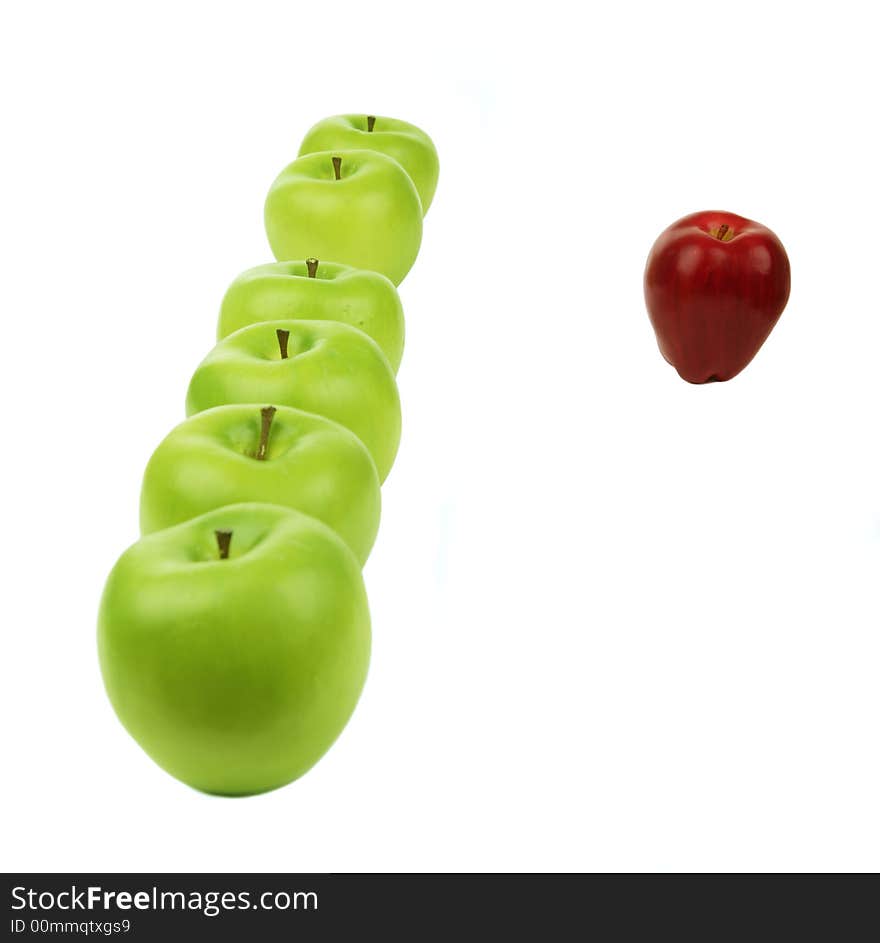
(620, 622)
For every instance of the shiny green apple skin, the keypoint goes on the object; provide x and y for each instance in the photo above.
(370, 218)
(404, 142)
(283, 290)
(312, 464)
(236, 675)
(331, 369)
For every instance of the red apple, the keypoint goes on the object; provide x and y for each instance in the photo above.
(715, 284)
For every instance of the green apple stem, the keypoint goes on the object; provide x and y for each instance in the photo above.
(312, 267)
(283, 338)
(371, 122)
(337, 167)
(224, 538)
(266, 413)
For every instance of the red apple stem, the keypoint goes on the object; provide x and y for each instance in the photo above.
(224, 538)
(283, 337)
(312, 267)
(371, 122)
(266, 414)
(722, 231)
(337, 167)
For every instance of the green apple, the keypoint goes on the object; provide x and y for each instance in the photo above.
(355, 207)
(275, 455)
(325, 291)
(321, 367)
(406, 143)
(234, 646)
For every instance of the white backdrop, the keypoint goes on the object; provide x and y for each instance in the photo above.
(620, 622)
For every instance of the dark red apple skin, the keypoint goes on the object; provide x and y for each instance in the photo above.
(713, 299)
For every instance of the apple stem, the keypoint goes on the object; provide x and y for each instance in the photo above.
(283, 337)
(224, 538)
(266, 413)
(312, 267)
(722, 231)
(337, 167)
(371, 122)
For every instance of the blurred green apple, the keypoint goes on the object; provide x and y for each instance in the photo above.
(284, 456)
(404, 142)
(325, 291)
(234, 646)
(321, 367)
(356, 207)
